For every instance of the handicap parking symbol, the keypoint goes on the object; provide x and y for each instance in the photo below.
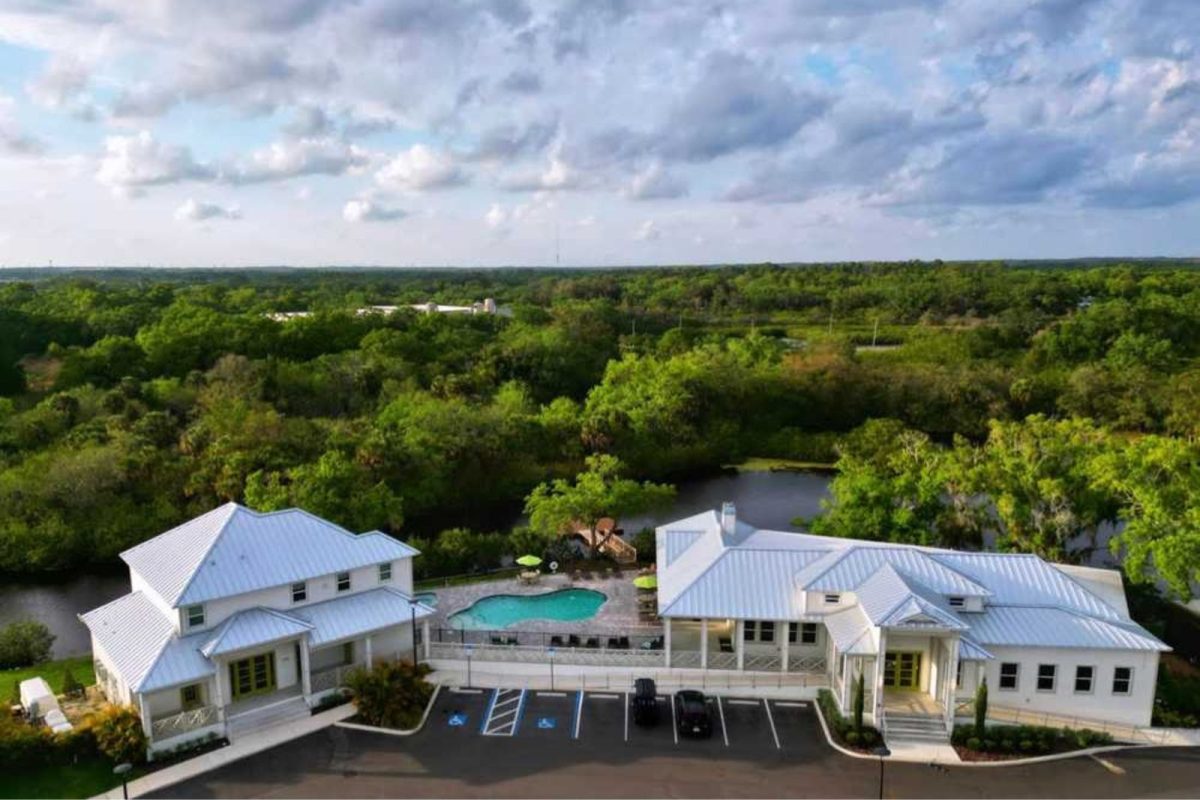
(545, 723)
(457, 719)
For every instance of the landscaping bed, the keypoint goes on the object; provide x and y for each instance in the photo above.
(1008, 742)
(862, 740)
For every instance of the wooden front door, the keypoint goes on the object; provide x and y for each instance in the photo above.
(902, 670)
(254, 675)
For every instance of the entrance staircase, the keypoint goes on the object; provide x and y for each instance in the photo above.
(909, 726)
(268, 716)
(614, 545)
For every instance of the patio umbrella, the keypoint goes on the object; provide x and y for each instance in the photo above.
(529, 561)
(646, 581)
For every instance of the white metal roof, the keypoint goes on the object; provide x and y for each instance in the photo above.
(179, 662)
(253, 627)
(677, 542)
(969, 650)
(759, 584)
(851, 632)
(357, 614)
(889, 600)
(1025, 579)
(233, 550)
(859, 563)
(133, 632)
(1033, 626)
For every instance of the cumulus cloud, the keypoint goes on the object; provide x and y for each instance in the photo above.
(132, 163)
(61, 86)
(324, 155)
(655, 183)
(420, 168)
(199, 211)
(13, 140)
(367, 210)
(647, 232)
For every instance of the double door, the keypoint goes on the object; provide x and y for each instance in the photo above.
(902, 670)
(253, 675)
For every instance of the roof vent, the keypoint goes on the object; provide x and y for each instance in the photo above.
(728, 518)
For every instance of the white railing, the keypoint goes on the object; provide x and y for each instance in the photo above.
(1023, 716)
(538, 655)
(720, 681)
(331, 677)
(183, 722)
(721, 660)
(806, 663)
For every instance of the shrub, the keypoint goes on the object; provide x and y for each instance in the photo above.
(70, 686)
(24, 643)
(1006, 745)
(841, 727)
(869, 737)
(858, 703)
(1026, 745)
(974, 743)
(119, 734)
(393, 694)
(988, 745)
(852, 738)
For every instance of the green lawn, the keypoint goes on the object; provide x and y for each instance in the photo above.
(85, 779)
(52, 671)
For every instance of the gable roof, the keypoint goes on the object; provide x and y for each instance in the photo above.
(890, 601)
(745, 584)
(252, 627)
(855, 564)
(354, 614)
(132, 632)
(232, 550)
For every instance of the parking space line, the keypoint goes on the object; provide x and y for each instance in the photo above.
(627, 716)
(735, 701)
(488, 713)
(578, 714)
(789, 704)
(605, 696)
(771, 719)
(674, 722)
(721, 713)
(459, 690)
(504, 713)
(551, 694)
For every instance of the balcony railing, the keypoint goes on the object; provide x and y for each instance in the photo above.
(331, 677)
(184, 722)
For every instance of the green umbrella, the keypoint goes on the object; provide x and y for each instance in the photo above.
(529, 561)
(646, 582)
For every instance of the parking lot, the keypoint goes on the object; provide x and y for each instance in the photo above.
(741, 724)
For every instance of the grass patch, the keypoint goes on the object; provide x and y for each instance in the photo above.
(86, 778)
(778, 465)
(52, 671)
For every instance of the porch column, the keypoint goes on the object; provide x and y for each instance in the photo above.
(305, 670)
(218, 692)
(782, 628)
(879, 662)
(425, 637)
(704, 643)
(367, 642)
(667, 641)
(739, 642)
(951, 689)
(147, 723)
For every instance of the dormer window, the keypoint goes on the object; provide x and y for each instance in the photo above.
(195, 616)
(343, 581)
(385, 572)
(958, 602)
(832, 599)
(299, 592)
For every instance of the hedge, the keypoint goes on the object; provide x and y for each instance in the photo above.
(842, 728)
(1027, 740)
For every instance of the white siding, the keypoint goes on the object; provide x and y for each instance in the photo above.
(167, 702)
(117, 689)
(138, 584)
(1100, 704)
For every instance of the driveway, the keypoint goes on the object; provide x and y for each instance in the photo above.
(548, 744)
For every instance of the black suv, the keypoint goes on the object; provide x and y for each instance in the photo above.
(645, 702)
(692, 715)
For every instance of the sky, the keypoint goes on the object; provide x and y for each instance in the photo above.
(595, 132)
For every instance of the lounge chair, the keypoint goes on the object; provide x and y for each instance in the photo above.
(726, 644)
(593, 642)
(497, 640)
(573, 641)
(556, 641)
(656, 643)
(623, 643)
(614, 643)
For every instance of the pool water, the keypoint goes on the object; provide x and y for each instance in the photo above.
(502, 610)
(428, 598)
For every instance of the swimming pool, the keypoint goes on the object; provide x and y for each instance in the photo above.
(428, 598)
(503, 610)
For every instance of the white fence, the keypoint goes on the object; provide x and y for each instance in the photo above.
(331, 678)
(1023, 716)
(622, 680)
(183, 722)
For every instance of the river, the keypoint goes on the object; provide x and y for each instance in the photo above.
(765, 499)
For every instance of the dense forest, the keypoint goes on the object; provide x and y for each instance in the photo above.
(1034, 401)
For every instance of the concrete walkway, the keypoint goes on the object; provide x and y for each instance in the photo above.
(245, 746)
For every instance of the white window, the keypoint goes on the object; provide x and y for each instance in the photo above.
(343, 581)
(1122, 680)
(766, 631)
(807, 632)
(832, 599)
(758, 630)
(299, 592)
(958, 602)
(1047, 676)
(1010, 673)
(195, 616)
(958, 675)
(385, 572)
(1084, 676)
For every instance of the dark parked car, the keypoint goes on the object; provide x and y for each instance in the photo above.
(645, 702)
(692, 714)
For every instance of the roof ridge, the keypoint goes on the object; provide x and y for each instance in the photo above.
(237, 507)
(115, 600)
(724, 551)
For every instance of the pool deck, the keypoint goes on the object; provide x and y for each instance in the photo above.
(618, 614)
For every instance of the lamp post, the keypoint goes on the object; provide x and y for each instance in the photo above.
(413, 610)
(551, 652)
(469, 649)
(123, 771)
(882, 752)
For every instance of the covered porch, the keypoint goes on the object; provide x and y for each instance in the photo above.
(745, 645)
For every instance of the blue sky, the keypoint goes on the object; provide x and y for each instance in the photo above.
(422, 132)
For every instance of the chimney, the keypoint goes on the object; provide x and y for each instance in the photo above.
(728, 519)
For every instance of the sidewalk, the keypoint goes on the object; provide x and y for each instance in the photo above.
(245, 746)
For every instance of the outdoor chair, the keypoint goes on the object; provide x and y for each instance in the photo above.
(497, 640)
(726, 644)
(614, 643)
(623, 643)
(573, 641)
(556, 641)
(593, 642)
(656, 643)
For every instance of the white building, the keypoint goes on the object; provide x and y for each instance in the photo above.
(236, 620)
(1049, 638)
